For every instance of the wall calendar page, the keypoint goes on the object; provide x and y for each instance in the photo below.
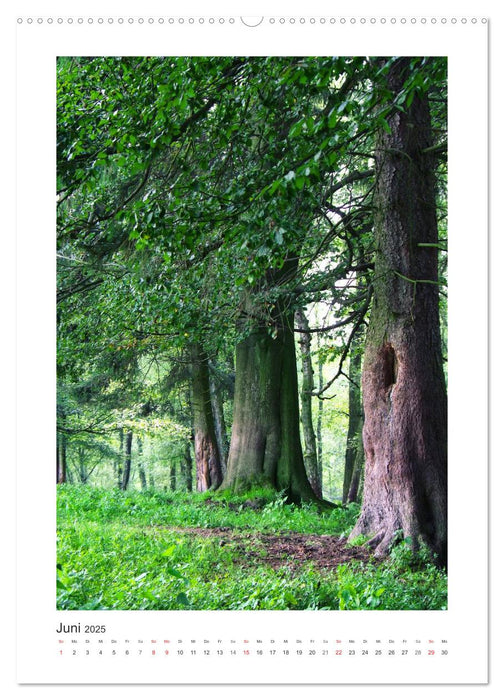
(250, 238)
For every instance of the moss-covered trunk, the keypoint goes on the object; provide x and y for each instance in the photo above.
(405, 428)
(265, 447)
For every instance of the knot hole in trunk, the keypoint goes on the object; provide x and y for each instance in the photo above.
(389, 360)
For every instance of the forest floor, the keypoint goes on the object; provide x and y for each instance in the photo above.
(158, 550)
(285, 549)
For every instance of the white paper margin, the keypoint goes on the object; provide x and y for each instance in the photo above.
(465, 622)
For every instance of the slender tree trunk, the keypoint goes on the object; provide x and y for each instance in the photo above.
(58, 463)
(405, 429)
(265, 447)
(141, 467)
(173, 475)
(83, 477)
(320, 413)
(354, 433)
(208, 465)
(62, 461)
(219, 421)
(119, 461)
(310, 443)
(64, 458)
(353, 491)
(69, 476)
(187, 467)
(127, 461)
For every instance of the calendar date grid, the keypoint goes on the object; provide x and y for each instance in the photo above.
(180, 648)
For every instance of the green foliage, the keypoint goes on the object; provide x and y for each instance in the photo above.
(183, 180)
(130, 551)
(209, 509)
(358, 541)
(185, 184)
(404, 581)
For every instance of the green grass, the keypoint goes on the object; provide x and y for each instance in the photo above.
(129, 551)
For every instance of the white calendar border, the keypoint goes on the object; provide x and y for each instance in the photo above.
(38, 47)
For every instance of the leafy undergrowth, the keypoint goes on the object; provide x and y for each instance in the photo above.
(159, 551)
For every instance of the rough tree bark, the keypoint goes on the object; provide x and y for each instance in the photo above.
(310, 443)
(405, 429)
(265, 447)
(206, 450)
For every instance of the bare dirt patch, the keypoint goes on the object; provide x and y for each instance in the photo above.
(289, 549)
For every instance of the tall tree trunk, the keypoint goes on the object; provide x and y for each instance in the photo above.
(83, 476)
(405, 429)
(206, 450)
(187, 467)
(141, 467)
(69, 476)
(354, 436)
(119, 461)
(173, 475)
(219, 421)
(62, 460)
(265, 447)
(58, 463)
(320, 413)
(310, 443)
(353, 491)
(127, 461)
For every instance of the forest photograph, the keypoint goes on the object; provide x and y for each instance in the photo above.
(252, 329)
